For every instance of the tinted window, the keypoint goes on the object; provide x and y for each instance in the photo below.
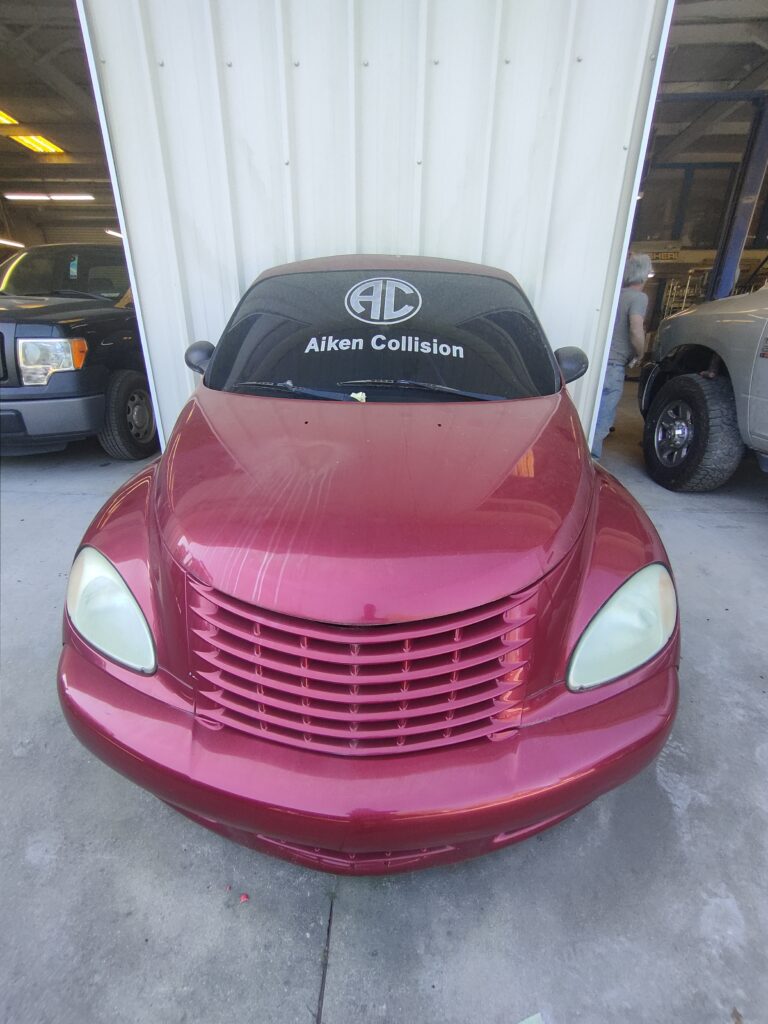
(28, 274)
(97, 270)
(107, 278)
(461, 331)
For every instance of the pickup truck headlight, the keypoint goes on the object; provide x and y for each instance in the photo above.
(631, 627)
(106, 614)
(40, 357)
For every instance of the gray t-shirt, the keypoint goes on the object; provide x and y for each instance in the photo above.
(631, 302)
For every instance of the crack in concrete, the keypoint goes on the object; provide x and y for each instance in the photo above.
(325, 959)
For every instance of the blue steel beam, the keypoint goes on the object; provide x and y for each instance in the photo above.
(742, 208)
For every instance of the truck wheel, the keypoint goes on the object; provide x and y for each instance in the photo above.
(129, 430)
(691, 439)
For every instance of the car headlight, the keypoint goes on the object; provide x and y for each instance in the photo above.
(106, 614)
(41, 357)
(631, 627)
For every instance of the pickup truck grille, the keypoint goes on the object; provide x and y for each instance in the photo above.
(8, 375)
(3, 363)
(360, 691)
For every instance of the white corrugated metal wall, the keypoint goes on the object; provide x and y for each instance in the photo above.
(246, 133)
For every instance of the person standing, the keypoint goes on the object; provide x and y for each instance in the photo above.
(627, 342)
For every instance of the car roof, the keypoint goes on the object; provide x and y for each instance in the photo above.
(377, 263)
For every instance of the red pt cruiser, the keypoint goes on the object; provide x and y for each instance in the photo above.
(375, 608)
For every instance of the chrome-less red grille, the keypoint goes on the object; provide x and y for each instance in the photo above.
(360, 691)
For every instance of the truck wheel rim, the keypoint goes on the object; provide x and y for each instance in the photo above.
(674, 433)
(141, 418)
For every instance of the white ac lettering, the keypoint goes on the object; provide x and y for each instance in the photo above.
(370, 293)
(390, 313)
(378, 341)
(312, 345)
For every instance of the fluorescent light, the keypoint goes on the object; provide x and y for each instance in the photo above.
(7, 241)
(109, 231)
(37, 143)
(7, 118)
(43, 197)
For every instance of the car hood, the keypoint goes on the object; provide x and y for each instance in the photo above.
(378, 512)
(51, 309)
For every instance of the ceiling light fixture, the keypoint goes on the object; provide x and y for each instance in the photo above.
(44, 197)
(7, 241)
(37, 143)
(7, 118)
(109, 231)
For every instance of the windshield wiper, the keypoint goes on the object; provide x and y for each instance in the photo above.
(77, 294)
(421, 385)
(292, 389)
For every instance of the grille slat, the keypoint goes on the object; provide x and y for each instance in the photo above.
(359, 728)
(351, 748)
(360, 691)
(238, 679)
(351, 634)
(370, 652)
(239, 698)
(323, 672)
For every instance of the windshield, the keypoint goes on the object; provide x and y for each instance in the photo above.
(100, 272)
(423, 337)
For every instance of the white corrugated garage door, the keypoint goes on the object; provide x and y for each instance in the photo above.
(251, 132)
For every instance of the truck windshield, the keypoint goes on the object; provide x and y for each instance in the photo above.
(424, 336)
(99, 273)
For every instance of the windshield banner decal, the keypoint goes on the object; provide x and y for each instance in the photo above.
(380, 343)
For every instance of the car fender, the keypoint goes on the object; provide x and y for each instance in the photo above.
(618, 540)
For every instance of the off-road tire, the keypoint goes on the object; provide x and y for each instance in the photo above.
(122, 437)
(706, 419)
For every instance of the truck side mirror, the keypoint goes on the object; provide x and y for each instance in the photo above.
(198, 355)
(572, 361)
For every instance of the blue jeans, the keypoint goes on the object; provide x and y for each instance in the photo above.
(613, 386)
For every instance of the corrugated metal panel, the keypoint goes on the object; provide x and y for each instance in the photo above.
(247, 133)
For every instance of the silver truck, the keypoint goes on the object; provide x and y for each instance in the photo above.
(704, 394)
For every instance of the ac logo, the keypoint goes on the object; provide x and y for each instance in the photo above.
(383, 300)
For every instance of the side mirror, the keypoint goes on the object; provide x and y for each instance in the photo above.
(572, 361)
(198, 355)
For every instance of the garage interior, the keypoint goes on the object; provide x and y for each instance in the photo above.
(47, 93)
(690, 172)
(648, 905)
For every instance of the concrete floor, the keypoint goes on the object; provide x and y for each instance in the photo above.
(647, 907)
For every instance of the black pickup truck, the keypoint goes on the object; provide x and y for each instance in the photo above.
(71, 363)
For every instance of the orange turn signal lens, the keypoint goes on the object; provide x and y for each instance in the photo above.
(79, 351)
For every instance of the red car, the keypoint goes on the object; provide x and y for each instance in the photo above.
(375, 608)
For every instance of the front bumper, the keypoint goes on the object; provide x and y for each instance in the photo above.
(45, 424)
(373, 815)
